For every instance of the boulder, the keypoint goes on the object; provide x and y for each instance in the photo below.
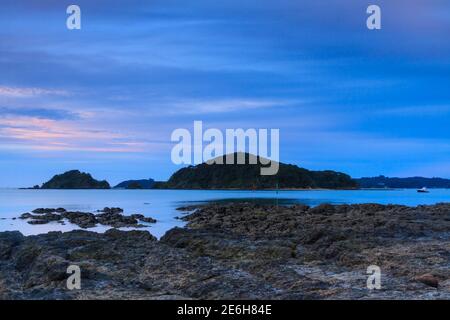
(428, 279)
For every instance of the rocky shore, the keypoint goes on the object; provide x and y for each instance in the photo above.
(242, 251)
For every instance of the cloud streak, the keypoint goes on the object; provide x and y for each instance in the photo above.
(199, 107)
(51, 135)
(41, 113)
(21, 92)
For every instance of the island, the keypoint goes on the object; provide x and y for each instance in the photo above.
(136, 184)
(75, 179)
(247, 176)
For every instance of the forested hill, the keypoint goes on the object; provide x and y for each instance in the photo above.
(248, 176)
(75, 180)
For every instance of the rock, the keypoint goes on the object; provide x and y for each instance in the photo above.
(428, 279)
(8, 241)
(26, 255)
(130, 235)
(82, 219)
(322, 209)
(116, 220)
(267, 240)
(118, 265)
(148, 220)
(112, 210)
(41, 218)
(108, 216)
(141, 217)
(26, 216)
(445, 285)
(50, 217)
(43, 210)
(37, 221)
(239, 251)
(189, 208)
(54, 267)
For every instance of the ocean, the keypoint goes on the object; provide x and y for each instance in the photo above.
(162, 204)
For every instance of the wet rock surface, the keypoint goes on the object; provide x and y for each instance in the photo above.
(241, 251)
(112, 217)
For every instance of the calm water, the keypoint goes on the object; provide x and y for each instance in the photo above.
(161, 204)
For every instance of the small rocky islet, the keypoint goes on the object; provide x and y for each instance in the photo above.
(242, 251)
(112, 217)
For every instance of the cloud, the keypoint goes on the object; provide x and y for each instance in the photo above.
(226, 105)
(21, 92)
(50, 135)
(41, 113)
(424, 110)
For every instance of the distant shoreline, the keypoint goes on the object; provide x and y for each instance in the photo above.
(232, 189)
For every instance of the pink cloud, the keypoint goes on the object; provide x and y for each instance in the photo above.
(51, 135)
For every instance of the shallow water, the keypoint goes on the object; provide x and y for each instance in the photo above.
(162, 204)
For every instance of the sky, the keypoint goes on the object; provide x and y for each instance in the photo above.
(105, 99)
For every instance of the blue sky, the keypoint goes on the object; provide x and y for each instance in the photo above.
(105, 99)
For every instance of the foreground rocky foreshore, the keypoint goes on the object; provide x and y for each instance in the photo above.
(240, 251)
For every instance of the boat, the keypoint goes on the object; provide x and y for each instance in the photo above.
(423, 190)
